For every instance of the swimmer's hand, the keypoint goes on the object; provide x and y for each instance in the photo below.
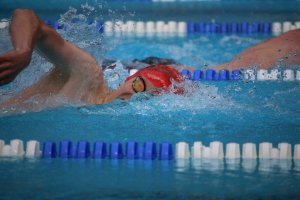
(12, 63)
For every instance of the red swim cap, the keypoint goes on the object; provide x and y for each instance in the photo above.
(159, 75)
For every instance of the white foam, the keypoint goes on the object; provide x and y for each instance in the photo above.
(4, 24)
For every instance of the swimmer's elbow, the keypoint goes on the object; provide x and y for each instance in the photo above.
(21, 11)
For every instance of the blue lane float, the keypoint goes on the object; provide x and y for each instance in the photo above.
(83, 149)
(65, 149)
(224, 27)
(213, 27)
(224, 75)
(132, 150)
(74, 151)
(198, 75)
(210, 75)
(89, 21)
(140, 151)
(200, 27)
(186, 74)
(99, 150)
(191, 28)
(240, 74)
(49, 150)
(234, 27)
(115, 150)
(236, 74)
(150, 152)
(99, 26)
(166, 151)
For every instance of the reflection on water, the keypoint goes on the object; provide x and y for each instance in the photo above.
(213, 165)
(249, 165)
(275, 165)
(211, 178)
(233, 164)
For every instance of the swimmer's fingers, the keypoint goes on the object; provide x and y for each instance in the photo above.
(4, 66)
(5, 73)
(6, 81)
(6, 77)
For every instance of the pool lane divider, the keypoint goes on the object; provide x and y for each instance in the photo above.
(148, 150)
(179, 28)
(236, 75)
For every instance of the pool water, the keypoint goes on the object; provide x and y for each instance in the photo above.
(245, 111)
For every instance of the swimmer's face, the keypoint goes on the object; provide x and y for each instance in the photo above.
(139, 85)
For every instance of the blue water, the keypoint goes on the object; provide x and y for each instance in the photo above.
(224, 111)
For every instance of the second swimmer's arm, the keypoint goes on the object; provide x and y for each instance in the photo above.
(24, 31)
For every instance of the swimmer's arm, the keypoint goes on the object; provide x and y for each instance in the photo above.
(36, 34)
(266, 54)
(23, 35)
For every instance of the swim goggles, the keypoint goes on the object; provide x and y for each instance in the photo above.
(135, 87)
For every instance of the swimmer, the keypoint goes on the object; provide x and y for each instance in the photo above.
(77, 76)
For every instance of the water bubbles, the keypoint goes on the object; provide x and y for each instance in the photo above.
(86, 6)
(238, 89)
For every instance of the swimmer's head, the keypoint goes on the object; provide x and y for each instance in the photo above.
(154, 78)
